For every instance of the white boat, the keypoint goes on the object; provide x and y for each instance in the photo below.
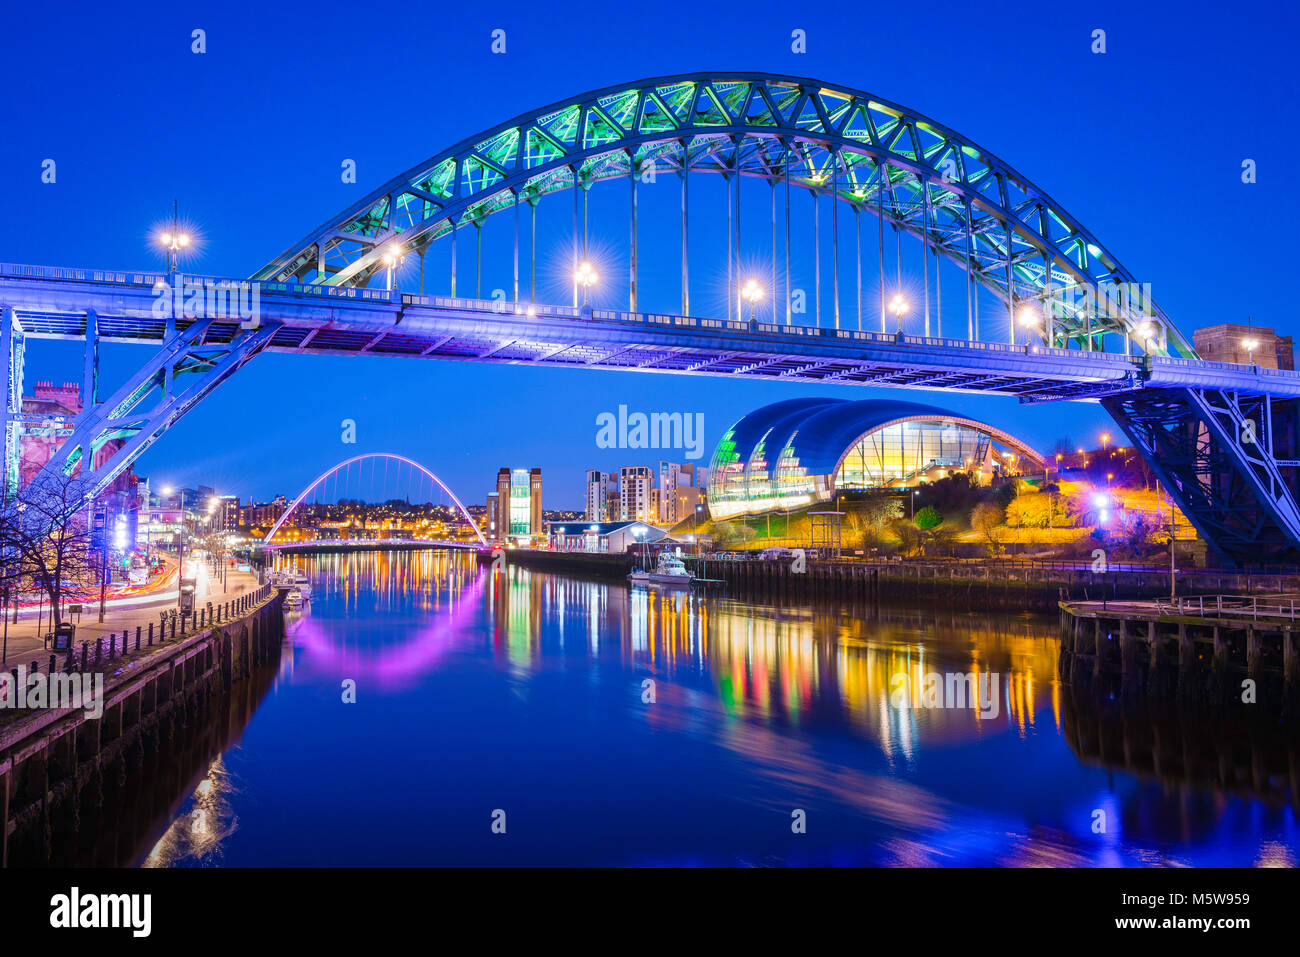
(669, 570)
(293, 600)
(303, 584)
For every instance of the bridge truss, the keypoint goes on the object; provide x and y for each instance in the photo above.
(851, 151)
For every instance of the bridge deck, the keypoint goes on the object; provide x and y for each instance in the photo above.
(52, 302)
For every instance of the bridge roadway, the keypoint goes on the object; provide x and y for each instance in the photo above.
(53, 302)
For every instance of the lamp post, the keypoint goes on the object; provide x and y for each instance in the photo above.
(585, 276)
(180, 554)
(753, 292)
(392, 259)
(898, 306)
(173, 242)
(1251, 345)
(1028, 317)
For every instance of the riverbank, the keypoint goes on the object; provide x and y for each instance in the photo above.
(1012, 585)
(59, 767)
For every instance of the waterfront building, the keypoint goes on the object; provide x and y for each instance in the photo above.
(802, 451)
(518, 505)
(607, 537)
(635, 483)
(673, 478)
(602, 496)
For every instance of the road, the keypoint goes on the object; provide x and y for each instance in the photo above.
(21, 642)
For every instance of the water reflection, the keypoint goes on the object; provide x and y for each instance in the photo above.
(631, 726)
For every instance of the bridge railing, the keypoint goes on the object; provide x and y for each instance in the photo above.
(1234, 606)
(151, 279)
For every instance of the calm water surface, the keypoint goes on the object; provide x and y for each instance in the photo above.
(524, 693)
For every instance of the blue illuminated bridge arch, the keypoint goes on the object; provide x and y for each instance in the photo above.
(319, 481)
(857, 149)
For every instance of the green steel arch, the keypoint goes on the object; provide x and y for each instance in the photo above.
(880, 158)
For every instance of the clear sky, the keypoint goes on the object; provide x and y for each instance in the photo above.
(1143, 145)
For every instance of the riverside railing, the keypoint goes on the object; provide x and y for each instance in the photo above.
(171, 625)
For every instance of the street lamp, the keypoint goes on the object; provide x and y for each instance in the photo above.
(1029, 318)
(1251, 345)
(898, 306)
(1148, 333)
(180, 554)
(392, 259)
(753, 292)
(585, 276)
(1105, 441)
(173, 242)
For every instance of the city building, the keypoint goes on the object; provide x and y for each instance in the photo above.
(674, 478)
(635, 483)
(518, 505)
(602, 496)
(1229, 342)
(614, 537)
(227, 512)
(802, 451)
(48, 414)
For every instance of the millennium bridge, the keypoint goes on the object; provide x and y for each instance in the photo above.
(1221, 437)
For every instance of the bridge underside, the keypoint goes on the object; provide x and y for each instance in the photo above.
(1230, 462)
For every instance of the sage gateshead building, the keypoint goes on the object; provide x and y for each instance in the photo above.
(800, 452)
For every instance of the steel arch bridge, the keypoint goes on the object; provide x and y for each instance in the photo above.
(386, 457)
(1223, 438)
(872, 155)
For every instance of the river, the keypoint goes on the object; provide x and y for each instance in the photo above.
(526, 718)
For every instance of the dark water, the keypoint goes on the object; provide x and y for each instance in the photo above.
(524, 693)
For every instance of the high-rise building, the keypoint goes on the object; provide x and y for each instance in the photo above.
(602, 496)
(635, 482)
(490, 516)
(519, 504)
(672, 477)
(228, 509)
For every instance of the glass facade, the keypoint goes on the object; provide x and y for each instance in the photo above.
(520, 503)
(912, 451)
(800, 452)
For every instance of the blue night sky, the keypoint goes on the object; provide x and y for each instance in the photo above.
(1143, 145)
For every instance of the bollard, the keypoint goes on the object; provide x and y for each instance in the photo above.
(36, 667)
(151, 634)
(99, 650)
(137, 637)
(85, 652)
(53, 665)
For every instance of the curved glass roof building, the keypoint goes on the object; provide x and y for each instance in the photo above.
(800, 451)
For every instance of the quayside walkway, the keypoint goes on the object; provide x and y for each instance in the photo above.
(25, 640)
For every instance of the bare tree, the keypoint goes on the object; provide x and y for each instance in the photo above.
(985, 519)
(51, 537)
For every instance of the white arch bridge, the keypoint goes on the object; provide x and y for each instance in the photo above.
(1012, 294)
(340, 476)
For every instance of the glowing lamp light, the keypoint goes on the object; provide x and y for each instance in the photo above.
(1101, 501)
(1028, 316)
(898, 305)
